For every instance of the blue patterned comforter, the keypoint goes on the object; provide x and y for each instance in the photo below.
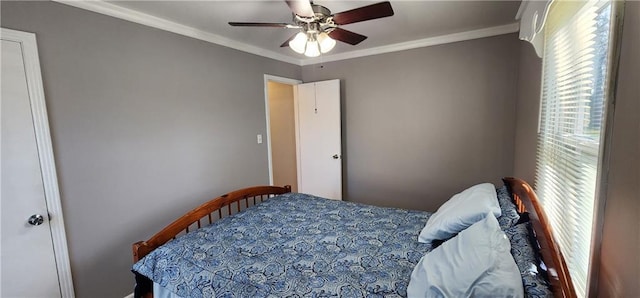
(294, 245)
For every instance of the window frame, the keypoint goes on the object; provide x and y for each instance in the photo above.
(617, 15)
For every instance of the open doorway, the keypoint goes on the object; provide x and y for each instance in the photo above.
(304, 135)
(281, 131)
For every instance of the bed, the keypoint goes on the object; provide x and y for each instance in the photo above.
(268, 242)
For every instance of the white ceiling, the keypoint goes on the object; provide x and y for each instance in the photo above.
(414, 22)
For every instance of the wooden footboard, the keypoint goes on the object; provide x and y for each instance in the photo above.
(207, 213)
(558, 272)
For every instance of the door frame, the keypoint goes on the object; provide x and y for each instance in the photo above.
(288, 81)
(45, 154)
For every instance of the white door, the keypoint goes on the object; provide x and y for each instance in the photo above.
(28, 259)
(319, 139)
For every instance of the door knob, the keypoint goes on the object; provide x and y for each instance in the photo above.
(36, 220)
(336, 156)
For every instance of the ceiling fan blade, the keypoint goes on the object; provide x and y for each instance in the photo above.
(347, 36)
(370, 12)
(286, 43)
(301, 7)
(250, 24)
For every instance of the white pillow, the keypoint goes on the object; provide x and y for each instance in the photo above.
(461, 211)
(476, 263)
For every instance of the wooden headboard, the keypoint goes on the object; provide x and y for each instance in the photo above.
(557, 269)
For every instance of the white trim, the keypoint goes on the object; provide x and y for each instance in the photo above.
(163, 24)
(45, 153)
(131, 15)
(420, 43)
(296, 124)
(267, 79)
(129, 296)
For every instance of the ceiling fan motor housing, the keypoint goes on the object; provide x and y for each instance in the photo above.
(320, 11)
(322, 21)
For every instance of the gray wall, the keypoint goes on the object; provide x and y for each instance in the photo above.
(528, 106)
(145, 124)
(423, 124)
(619, 260)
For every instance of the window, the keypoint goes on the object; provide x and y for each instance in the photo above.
(572, 117)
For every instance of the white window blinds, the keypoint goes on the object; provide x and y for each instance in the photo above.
(571, 124)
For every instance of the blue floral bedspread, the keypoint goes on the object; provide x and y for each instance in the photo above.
(294, 245)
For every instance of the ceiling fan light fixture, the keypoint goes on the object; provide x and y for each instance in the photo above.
(312, 44)
(299, 43)
(326, 43)
(313, 48)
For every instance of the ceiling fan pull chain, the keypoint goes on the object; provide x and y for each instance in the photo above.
(315, 97)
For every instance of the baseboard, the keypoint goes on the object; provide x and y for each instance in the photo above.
(129, 296)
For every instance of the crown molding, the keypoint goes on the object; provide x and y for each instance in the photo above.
(420, 43)
(163, 24)
(131, 15)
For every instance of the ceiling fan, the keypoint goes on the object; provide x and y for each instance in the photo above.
(319, 29)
